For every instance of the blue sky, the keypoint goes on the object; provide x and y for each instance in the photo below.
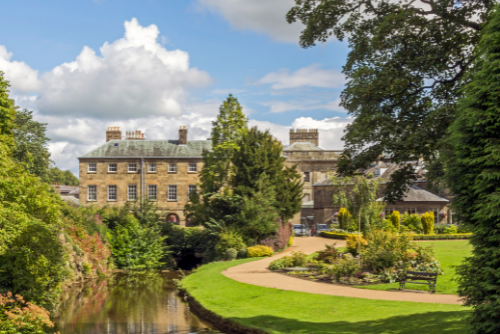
(172, 64)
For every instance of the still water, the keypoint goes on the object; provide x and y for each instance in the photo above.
(128, 303)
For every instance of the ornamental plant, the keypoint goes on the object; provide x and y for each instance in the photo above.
(353, 242)
(427, 220)
(20, 317)
(259, 251)
(396, 219)
(344, 217)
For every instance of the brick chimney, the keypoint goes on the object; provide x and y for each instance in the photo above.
(183, 135)
(113, 133)
(304, 135)
(135, 135)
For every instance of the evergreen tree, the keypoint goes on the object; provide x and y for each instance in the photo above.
(260, 153)
(473, 173)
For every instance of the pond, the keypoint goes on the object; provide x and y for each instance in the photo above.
(128, 303)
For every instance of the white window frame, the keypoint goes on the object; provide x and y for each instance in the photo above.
(93, 191)
(132, 168)
(191, 188)
(172, 192)
(132, 189)
(112, 168)
(190, 166)
(172, 167)
(112, 193)
(92, 168)
(153, 188)
(307, 176)
(152, 168)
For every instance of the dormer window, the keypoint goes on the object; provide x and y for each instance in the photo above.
(377, 172)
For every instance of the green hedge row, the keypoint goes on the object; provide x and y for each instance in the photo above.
(333, 235)
(343, 236)
(442, 236)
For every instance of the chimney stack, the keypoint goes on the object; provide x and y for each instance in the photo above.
(183, 135)
(304, 135)
(113, 133)
(135, 135)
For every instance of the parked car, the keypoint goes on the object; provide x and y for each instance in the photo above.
(299, 229)
(322, 228)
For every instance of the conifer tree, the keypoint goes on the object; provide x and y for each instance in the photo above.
(396, 219)
(474, 177)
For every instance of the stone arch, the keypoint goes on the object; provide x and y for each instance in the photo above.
(173, 218)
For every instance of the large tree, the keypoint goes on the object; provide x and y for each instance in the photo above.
(405, 70)
(473, 173)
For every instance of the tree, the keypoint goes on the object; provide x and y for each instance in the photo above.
(260, 153)
(7, 116)
(473, 174)
(396, 220)
(31, 144)
(427, 220)
(405, 71)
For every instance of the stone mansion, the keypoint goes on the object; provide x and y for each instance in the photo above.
(166, 171)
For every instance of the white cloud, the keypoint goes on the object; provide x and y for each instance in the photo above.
(22, 77)
(313, 76)
(282, 106)
(262, 16)
(134, 77)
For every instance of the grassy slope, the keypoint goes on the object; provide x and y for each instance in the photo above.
(279, 311)
(449, 254)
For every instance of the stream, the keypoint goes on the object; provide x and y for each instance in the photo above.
(128, 303)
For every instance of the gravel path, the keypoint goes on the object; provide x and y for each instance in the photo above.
(256, 273)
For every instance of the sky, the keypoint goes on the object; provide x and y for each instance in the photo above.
(154, 65)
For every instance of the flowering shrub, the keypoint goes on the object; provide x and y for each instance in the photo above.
(20, 317)
(96, 251)
(352, 242)
(259, 251)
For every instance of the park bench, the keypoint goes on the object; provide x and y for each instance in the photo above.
(411, 276)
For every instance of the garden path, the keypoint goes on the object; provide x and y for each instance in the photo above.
(256, 273)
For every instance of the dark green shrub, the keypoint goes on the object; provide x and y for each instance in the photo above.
(231, 254)
(242, 253)
(329, 255)
(345, 267)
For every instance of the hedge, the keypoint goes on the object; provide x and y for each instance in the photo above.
(343, 236)
(333, 235)
(441, 236)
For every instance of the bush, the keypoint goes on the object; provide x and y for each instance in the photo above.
(412, 222)
(452, 229)
(281, 239)
(427, 220)
(20, 317)
(396, 220)
(231, 254)
(282, 263)
(259, 251)
(290, 241)
(353, 244)
(228, 239)
(242, 253)
(345, 267)
(299, 259)
(329, 255)
(440, 228)
(385, 249)
(344, 218)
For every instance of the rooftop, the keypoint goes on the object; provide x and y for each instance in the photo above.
(301, 146)
(416, 194)
(150, 149)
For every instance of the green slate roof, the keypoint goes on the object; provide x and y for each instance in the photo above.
(150, 148)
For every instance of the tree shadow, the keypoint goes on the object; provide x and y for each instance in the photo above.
(428, 323)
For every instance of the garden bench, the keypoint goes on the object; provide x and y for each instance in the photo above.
(411, 276)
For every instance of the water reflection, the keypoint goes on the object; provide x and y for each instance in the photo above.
(136, 303)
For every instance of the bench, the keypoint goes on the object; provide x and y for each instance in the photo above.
(411, 276)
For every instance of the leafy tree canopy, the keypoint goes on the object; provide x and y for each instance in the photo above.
(405, 70)
(473, 174)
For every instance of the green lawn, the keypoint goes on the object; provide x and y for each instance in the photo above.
(278, 311)
(449, 254)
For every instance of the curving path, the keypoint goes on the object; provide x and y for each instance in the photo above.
(256, 273)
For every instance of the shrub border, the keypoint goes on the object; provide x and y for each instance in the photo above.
(343, 236)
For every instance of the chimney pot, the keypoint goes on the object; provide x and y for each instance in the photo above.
(183, 135)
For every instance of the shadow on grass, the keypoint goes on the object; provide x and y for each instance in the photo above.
(428, 323)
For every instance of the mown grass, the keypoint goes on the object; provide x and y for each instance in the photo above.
(449, 254)
(279, 311)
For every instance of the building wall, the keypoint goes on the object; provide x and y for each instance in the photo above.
(122, 178)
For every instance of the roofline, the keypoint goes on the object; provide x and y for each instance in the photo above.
(143, 157)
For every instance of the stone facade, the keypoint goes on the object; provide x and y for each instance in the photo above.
(312, 162)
